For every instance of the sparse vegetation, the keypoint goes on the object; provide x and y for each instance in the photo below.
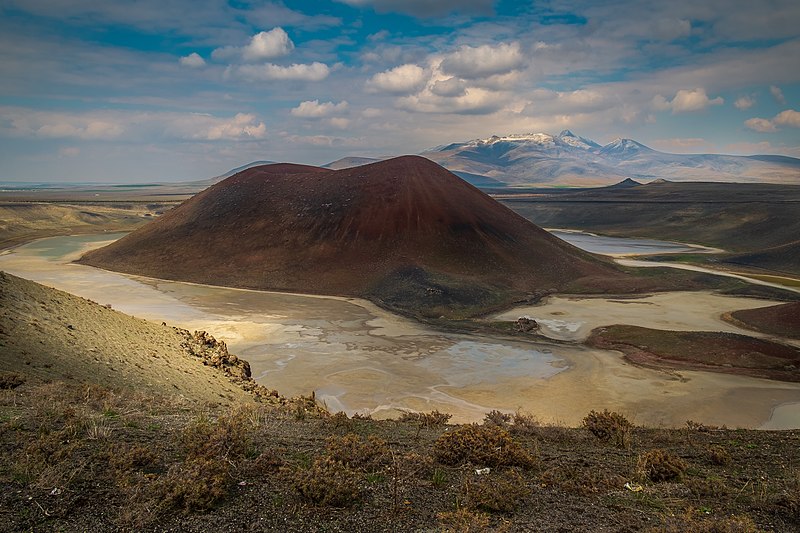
(163, 466)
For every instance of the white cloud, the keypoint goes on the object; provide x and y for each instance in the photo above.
(474, 101)
(761, 125)
(128, 126)
(314, 109)
(483, 61)
(193, 60)
(90, 130)
(241, 126)
(744, 102)
(297, 72)
(777, 94)
(404, 79)
(339, 122)
(449, 87)
(790, 117)
(685, 101)
(263, 45)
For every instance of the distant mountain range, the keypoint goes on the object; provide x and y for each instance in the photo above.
(567, 159)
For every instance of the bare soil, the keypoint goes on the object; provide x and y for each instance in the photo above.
(724, 352)
(782, 320)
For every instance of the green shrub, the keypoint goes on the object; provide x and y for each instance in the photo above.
(609, 426)
(483, 446)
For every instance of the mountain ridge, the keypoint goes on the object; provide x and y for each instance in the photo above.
(568, 159)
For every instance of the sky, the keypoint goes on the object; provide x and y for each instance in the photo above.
(170, 90)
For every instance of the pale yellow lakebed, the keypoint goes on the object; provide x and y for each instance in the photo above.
(359, 358)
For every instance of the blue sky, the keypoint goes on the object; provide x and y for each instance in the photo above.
(144, 90)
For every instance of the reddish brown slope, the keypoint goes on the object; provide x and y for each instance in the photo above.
(405, 231)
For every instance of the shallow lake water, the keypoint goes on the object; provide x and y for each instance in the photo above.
(621, 246)
(359, 358)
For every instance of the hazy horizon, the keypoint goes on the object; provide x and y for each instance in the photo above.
(125, 92)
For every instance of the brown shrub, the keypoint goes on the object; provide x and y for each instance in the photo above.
(370, 454)
(660, 465)
(463, 521)
(712, 486)
(497, 418)
(125, 458)
(11, 380)
(483, 446)
(609, 426)
(496, 492)
(717, 455)
(225, 438)
(327, 482)
(434, 418)
(196, 484)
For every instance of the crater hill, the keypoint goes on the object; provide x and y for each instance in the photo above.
(404, 232)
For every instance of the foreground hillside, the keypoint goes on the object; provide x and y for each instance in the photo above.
(47, 335)
(403, 232)
(96, 437)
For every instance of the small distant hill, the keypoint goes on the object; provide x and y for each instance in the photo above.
(625, 184)
(350, 162)
(404, 232)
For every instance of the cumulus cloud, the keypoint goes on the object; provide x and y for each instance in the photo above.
(686, 100)
(474, 101)
(790, 117)
(470, 62)
(193, 60)
(777, 94)
(263, 45)
(425, 8)
(404, 79)
(744, 102)
(449, 87)
(129, 125)
(314, 109)
(315, 71)
(241, 126)
(761, 125)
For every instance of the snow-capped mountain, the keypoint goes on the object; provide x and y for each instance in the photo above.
(541, 158)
